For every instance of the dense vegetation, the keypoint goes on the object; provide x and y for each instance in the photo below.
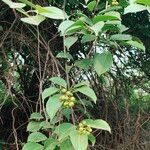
(77, 60)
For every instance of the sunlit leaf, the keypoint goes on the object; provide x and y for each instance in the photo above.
(59, 81)
(65, 55)
(51, 12)
(36, 137)
(133, 8)
(13, 4)
(98, 124)
(136, 44)
(79, 141)
(34, 20)
(49, 91)
(64, 26)
(50, 144)
(63, 130)
(86, 90)
(32, 146)
(121, 37)
(102, 62)
(36, 116)
(53, 105)
(91, 5)
(33, 126)
(69, 41)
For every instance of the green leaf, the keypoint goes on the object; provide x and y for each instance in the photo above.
(77, 26)
(133, 8)
(53, 105)
(109, 16)
(104, 18)
(50, 144)
(121, 37)
(49, 91)
(148, 9)
(87, 91)
(92, 138)
(145, 2)
(63, 130)
(136, 44)
(34, 20)
(79, 141)
(82, 83)
(66, 145)
(13, 4)
(110, 9)
(32, 146)
(1, 28)
(91, 5)
(102, 62)
(36, 116)
(33, 126)
(69, 41)
(59, 81)
(88, 38)
(84, 63)
(28, 3)
(64, 26)
(114, 14)
(65, 55)
(36, 137)
(98, 124)
(67, 113)
(97, 27)
(85, 19)
(45, 125)
(51, 12)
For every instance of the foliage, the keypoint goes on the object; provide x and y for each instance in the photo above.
(92, 45)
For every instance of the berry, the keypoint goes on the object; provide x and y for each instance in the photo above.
(71, 104)
(66, 103)
(62, 98)
(84, 122)
(66, 97)
(80, 125)
(89, 130)
(68, 93)
(81, 129)
(84, 132)
(116, 3)
(72, 98)
(63, 90)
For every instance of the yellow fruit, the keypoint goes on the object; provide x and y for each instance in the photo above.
(62, 98)
(80, 132)
(84, 122)
(66, 97)
(84, 131)
(89, 129)
(66, 103)
(63, 90)
(72, 98)
(116, 3)
(81, 129)
(68, 93)
(71, 104)
(80, 125)
(113, 3)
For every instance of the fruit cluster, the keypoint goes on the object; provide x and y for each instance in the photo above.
(67, 98)
(114, 2)
(83, 128)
